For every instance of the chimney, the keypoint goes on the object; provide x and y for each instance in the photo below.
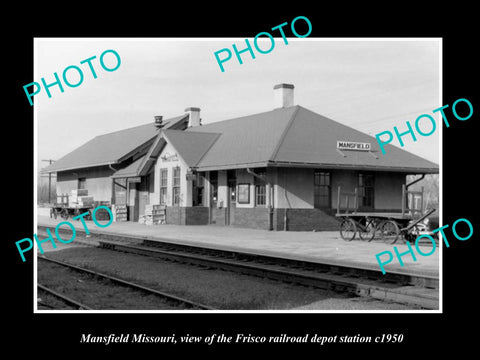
(283, 95)
(158, 121)
(193, 116)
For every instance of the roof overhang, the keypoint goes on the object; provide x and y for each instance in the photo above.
(232, 166)
(406, 170)
(403, 169)
(46, 171)
(131, 170)
(138, 149)
(152, 155)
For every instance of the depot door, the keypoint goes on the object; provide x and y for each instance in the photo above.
(132, 202)
(366, 192)
(143, 194)
(231, 197)
(213, 177)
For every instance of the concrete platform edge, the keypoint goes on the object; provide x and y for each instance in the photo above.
(272, 253)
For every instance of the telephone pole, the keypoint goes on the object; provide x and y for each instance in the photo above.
(50, 161)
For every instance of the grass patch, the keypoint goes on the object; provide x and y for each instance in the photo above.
(217, 288)
(99, 294)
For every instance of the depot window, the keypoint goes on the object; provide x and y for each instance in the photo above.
(82, 182)
(163, 186)
(321, 189)
(260, 189)
(176, 186)
(232, 184)
(366, 190)
(214, 186)
(197, 189)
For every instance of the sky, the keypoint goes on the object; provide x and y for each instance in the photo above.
(371, 85)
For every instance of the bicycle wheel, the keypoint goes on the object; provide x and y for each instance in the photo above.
(348, 229)
(390, 231)
(368, 232)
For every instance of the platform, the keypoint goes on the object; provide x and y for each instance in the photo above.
(324, 247)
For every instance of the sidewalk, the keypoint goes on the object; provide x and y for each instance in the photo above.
(324, 247)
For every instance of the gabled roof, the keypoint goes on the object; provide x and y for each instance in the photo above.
(295, 136)
(191, 145)
(291, 136)
(312, 139)
(245, 140)
(114, 147)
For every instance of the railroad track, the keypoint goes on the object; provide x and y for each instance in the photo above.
(400, 288)
(67, 300)
(410, 289)
(163, 295)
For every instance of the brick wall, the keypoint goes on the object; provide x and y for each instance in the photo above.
(175, 215)
(305, 220)
(195, 215)
(256, 218)
(278, 222)
(218, 216)
(297, 219)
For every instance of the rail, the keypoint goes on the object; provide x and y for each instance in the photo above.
(63, 298)
(357, 280)
(138, 287)
(335, 277)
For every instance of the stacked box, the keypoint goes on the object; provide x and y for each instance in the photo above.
(62, 199)
(119, 212)
(72, 201)
(79, 197)
(82, 201)
(85, 200)
(154, 214)
(79, 192)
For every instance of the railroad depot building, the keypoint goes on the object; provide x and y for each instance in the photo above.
(276, 170)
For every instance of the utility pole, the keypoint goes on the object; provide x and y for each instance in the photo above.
(50, 161)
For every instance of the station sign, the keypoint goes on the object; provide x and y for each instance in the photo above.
(191, 176)
(166, 157)
(352, 145)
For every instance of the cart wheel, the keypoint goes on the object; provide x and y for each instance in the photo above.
(411, 235)
(409, 238)
(65, 214)
(348, 229)
(389, 231)
(369, 233)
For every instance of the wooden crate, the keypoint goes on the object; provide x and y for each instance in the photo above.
(79, 192)
(119, 212)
